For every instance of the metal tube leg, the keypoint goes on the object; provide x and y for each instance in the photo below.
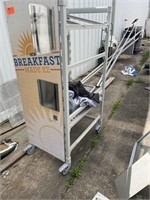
(64, 71)
(105, 64)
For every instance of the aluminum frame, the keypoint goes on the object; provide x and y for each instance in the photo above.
(135, 149)
(76, 116)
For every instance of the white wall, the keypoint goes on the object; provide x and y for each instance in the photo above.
(130, 10)
(85, 43)
(7, 70)
(90, 39)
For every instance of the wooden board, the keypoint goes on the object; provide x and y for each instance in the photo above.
(21, 137)
(109, 81)
(10, 133)
(7, 128)
(4, 127)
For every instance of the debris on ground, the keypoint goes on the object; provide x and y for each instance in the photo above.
(5, 173)
(129, 70)
(99, 196)
(7, 147)
(147, 88)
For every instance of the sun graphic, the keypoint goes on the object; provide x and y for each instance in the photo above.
(25, 44)
(45, 133)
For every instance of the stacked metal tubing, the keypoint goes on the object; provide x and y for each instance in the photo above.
(113, 58)
(111, 61)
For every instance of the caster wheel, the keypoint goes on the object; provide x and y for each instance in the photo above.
(64, 169)
(98, 129)
(31, 150)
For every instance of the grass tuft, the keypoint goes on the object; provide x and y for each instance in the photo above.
(145, 57)
(139, 80)
(95, 141)
(82, 162)
(130, 82)
(115, 106)
(76, 172)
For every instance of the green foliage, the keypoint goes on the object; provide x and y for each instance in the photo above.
(95, 141)
(82, 161)
(130, 82)
(139, 80)
(76, 172)
(115, 106)
(145, 57)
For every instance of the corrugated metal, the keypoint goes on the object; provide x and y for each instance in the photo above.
(86, 43)
(130, 10)
(7, 70)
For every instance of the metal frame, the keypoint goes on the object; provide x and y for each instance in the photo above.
(113, 58)
(135, 149)
(76, 116)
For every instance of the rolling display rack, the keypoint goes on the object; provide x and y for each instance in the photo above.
(40, 30)
(77, 115)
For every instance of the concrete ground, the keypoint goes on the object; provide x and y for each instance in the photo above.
(37, 176)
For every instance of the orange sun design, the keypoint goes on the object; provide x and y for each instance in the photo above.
(25, 44)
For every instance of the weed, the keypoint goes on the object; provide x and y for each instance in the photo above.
(130, 82)
(82, 161)
(94, 141)
(139, 80)
(70, 182)
(145, 57)
(76, 172)
(115, 106)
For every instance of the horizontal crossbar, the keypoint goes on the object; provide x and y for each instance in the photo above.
(105, 9)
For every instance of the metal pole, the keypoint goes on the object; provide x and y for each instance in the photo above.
(64, 70)
(118, 48)
(114, 54)
(113, 15)
(117, 54)
(149, 10)
(88, 10)
(92, 58)
(105, 63)
(122, 50)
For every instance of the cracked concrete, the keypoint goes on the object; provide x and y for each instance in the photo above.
(37, 176)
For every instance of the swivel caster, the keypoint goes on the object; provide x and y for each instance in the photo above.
(98, 128)
(64, 169)
(30, 149)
